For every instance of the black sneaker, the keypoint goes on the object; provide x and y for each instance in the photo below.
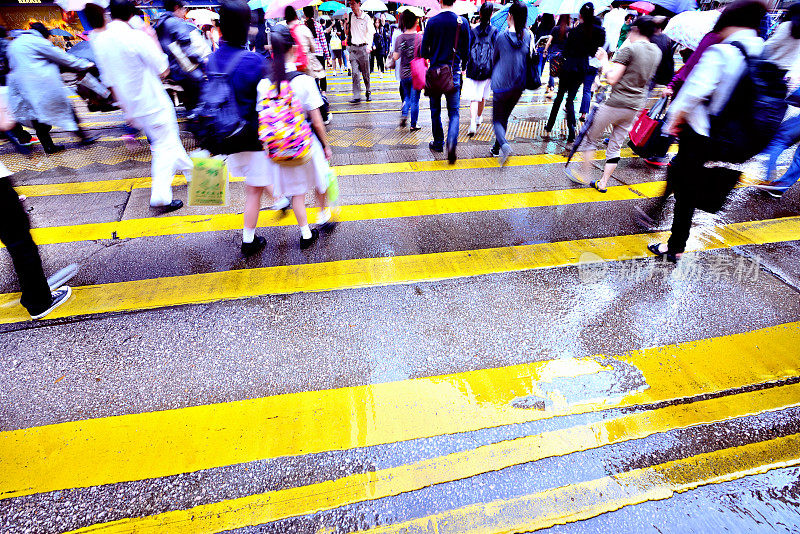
(435, 148)
(248, 249)
(369, 96)
(451, 154)
(403, 122)
(495, 151)
(172, 206)
(305, 243)
(60, 296)
(355, 101)
(53, 149)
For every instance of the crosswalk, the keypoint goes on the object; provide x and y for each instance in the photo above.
(456, 443)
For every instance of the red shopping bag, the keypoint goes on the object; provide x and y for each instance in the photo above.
(419, 68)
(647, 122)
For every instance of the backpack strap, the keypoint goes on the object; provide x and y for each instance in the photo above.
(233, 63)
(455, 45)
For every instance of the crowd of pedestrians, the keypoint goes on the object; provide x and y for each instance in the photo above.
(282, 88)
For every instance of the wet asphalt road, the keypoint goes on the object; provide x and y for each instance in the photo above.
(629, 397)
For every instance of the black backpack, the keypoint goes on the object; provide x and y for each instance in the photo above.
(481, 55)
(755, 110)
(215, 122)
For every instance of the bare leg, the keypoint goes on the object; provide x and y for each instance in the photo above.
(586, 164)
(252, 205)
(474, 108)
(299, 208)
(608, 170)
(481, 105)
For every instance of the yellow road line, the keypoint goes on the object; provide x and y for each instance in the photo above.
(584, 500)
(194, 224)
(373, 272)
(304, 500)
(157, 444)
(126, 184)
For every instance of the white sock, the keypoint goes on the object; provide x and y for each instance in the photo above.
(248, 234)
(324, 215)
(305, 231)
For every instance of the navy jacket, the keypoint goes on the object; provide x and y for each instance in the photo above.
(439, 39)
(170, 29)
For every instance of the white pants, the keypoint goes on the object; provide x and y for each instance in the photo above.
(168, 154)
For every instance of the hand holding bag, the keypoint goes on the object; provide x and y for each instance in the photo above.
(647, 122)
(439, 80)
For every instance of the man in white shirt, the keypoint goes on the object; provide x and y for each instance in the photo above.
(360, 31)
(132, 65)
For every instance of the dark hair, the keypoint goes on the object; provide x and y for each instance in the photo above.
(290, 14)
(485, 13)
(587, 12)
(629, 16)
(547, 23)
(95, 15)
(282, 41)
(793, 15)
(41, 28)
(3, 32)
(645, 25)
(741, 13)
(172, 5)
(308, 11)
(234, 21)
(563, 25)
(448, 2)
(409, 19)
(122, 9)
(519, 14)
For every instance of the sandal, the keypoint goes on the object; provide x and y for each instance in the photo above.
(655, 248)
(596, 185)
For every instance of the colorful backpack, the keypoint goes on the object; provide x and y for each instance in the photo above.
(282, 125)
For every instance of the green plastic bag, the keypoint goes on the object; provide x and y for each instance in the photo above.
(209, 185)
(333, 187)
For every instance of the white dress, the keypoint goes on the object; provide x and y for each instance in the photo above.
(291, 181)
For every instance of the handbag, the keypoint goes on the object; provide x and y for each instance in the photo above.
(647, 122)
(556, 61)
(418, 67)
(533, 79)
(439, 80)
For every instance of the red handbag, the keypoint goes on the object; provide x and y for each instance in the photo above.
(647, 122)
(418, 67)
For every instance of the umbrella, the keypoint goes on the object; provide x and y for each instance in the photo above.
(415, 10)
(277, 8)
(259, 4)
(599, 98)
(342, 13)
(83, 50)
(425, 4)
(391, 18)
(549, 6)
(374, 5)
(677, 6)
(202, 16)
(79, 5)
(642, 7)
(500, 19)
(59, 31)
(689, 27)
(330, 5)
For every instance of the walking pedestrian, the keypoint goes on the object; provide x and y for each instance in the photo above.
(307, 48)
(541, 34)
(36, 94)
(626, 28)
(15, 234)
(705, 93)
(553, 50)
(336, 51)
(19, 138)
(376, 55)
(248, 69)
(133, 67)
(360, 31)
(397, 31)
(629, 74)
(294, 181)
(591, 72)
(445, 43)
(321, 49)
(582, 42)
(511, 51)
(479, 67)
(175, 35)
(406, 49)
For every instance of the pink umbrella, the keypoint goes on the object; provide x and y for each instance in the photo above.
(425, 4)
(642, 7)
(277, 8)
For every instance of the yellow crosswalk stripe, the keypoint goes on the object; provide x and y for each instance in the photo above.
(193, 224)
(105, 451)
(372, 272)
(281, 504)
(126, 184)
(589, 499)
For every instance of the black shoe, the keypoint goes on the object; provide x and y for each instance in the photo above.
(655, 248)
(435, 148)
(172, 206)
(415, 129)
(248, 249)
(305, 243)
(60, 296)
(403, 122)
(53, 149)
(88, 140)
(495, 151)
(356, 101)
(451, 154)
(369, 96)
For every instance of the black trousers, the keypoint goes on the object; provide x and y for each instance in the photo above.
(43, 132)
(502, 106)
(685, 176)
(15, 233)
(568, 84)
(374, 56)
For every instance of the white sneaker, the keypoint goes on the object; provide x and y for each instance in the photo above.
(472, 128)
(479, 120)
(323, 216)
(60, 296)
(280, 204)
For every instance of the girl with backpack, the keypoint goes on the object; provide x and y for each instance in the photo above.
(406, 50)
(289, 101)
(511, 52)
(479, 67)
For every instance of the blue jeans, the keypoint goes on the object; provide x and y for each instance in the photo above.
(787, 135)
(410, 101)
(588, 80)
(453, 103)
